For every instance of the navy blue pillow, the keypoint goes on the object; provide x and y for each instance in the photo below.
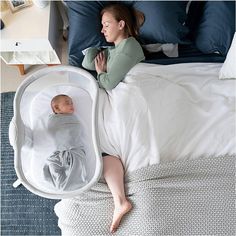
(164, 21)
(216, 27)
(84, 28)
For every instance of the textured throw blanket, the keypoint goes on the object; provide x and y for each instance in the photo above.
(192, 197)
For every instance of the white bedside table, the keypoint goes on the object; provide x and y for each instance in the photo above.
(31, 36)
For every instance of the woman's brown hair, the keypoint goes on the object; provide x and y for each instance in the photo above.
(133, 19)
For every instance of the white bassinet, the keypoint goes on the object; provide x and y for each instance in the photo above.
(27, 134)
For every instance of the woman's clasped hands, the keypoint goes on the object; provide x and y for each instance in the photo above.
(100, 62)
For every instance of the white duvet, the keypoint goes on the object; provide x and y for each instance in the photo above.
(163, 113)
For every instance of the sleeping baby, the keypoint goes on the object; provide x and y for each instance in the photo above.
(65, 168)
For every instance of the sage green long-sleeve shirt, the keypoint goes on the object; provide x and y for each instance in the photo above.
(120, 59)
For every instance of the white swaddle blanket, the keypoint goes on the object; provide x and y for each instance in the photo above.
(65, 168)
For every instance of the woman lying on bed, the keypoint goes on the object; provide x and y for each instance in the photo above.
(112, 64)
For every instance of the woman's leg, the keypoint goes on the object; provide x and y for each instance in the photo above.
(114, 175)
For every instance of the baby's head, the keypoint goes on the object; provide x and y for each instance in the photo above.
(62, 104)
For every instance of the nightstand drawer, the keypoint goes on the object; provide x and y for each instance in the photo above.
(25, 45)
(30, 58)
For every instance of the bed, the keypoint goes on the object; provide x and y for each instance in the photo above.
(172, 113)
(183, 118)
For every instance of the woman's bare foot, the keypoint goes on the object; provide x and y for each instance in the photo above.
(120, 210)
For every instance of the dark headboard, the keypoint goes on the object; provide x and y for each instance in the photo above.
(203, 30)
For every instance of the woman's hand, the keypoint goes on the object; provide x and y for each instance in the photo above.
(100, 63)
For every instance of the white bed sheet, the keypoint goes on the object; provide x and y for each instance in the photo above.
(163, 113)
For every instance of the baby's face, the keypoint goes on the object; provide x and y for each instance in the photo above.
(65, 106)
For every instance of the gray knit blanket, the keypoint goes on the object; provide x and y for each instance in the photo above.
(191, 197)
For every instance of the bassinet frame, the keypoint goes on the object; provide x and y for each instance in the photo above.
(17, 129)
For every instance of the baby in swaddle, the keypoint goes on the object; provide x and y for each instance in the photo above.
(65, 168)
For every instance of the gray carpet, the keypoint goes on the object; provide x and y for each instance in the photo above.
(22, 213)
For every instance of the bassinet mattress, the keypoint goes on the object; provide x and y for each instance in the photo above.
(164, 113)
